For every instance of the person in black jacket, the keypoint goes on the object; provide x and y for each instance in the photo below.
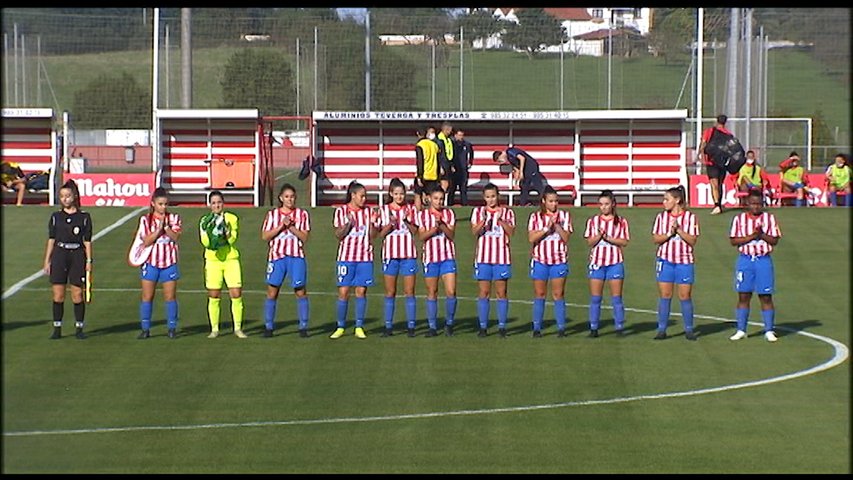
(463, 159)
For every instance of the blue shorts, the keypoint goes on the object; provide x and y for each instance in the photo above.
(754, 274)
(400, 266)
(492, 271)
(439, 269)
(609, 272)
(668, 272)
(540, 271)
(355, 274)
(284, 266)
(160, 275)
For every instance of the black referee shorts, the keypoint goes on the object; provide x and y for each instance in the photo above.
(68, 266)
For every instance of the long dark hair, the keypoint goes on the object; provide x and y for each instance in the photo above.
(283, 189)
(72, 185)
(353, 187)
(158, 193)
(548, 190)
(215, 193)
(679, 193)
(609, 194)
(395, 183)
(492, 186)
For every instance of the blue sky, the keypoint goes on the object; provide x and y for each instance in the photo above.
(357, 13)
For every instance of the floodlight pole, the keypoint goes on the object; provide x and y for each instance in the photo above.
(700, 49)
(155, 163)
(367, 60)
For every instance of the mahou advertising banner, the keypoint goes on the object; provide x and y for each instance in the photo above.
(114, 189)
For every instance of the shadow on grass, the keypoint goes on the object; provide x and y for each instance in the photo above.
(791, 328)
(9, 326)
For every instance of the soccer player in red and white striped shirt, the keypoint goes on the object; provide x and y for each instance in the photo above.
(356, 225)
(162, 229)
(549, 230)
(437, 228)
(286, 230)
(675, 232)
(399, 256)
(606, 234)
(755, 233)
(492, 225)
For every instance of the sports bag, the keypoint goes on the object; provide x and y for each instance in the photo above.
(725, 151)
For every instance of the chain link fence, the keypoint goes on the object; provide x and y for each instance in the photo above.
(97, 64)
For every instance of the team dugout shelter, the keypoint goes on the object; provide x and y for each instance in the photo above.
(637, 154)
(30, 141)
(200, 150)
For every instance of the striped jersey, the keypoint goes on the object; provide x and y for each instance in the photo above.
(493, 244)
(399, 242)
(675, 250)
(286, 243)
(605, 253)
(551, 249)
(745, 224)
(165, 251)
(438, 247)
(356, 245)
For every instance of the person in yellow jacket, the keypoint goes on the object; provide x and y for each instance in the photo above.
(793, 178)
(219, 231)
(445, 155)
(426, 160)
(838, 180)
(751, 177)
(13, 178)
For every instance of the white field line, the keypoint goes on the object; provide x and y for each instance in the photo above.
(121, 221)
(841, 353)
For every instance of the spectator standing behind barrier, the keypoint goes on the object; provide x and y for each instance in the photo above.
(525, 169)
(751, 176)
(606, 234)
(675, 232)
(463, 159)
(548, 231)
(68, 256)
(437, 229)
(492, 226)
(426, 157)
(445, 154)
(161, 229)
(754, 233)
(218, 231)
(716, 173)
(398, 222)
(13, 177)
(793, 178)
(286, 229)
(356, 225)
(838, 180)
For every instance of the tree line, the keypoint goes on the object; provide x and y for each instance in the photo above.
(264, 79)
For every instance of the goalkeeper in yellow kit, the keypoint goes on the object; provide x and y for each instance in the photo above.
(218, 231)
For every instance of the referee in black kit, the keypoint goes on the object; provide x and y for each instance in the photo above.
(68, 256)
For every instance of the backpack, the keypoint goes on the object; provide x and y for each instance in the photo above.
(726, 151)
(38, 181)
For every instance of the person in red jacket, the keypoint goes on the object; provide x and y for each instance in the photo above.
(716, 173)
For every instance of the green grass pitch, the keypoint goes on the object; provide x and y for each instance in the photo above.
(113, 404)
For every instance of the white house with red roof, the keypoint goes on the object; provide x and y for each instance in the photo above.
(587, 29)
